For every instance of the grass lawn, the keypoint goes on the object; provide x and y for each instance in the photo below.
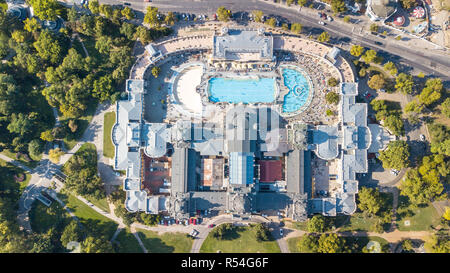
(292, 244)
(89, 217)
(100, 203)
(89, 43)
(297, 225)
(359, 222)
(422, 218)
(127, 243)
(42, 218)
(239, 240)
(165, 243)
(7, 173)
(30, 164)
(358, 243)
(108, 147)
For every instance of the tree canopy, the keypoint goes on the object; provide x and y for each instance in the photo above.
(396, 155)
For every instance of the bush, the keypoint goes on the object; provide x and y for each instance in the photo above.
(332, 82)
(332, 98)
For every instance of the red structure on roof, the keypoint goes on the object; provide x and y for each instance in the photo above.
(270, 170)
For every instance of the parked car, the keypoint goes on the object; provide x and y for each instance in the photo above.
(211, 225)
(321, 23)
(281, 232)
(329, 18)
(127, 4)
(378, 43)
(422, 138)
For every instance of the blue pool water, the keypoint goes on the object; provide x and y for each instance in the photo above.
(242, 90)
(298, 87)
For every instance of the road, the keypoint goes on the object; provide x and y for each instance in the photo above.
(429, 61)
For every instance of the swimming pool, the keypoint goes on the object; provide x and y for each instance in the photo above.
(299, 90)
(235, 90)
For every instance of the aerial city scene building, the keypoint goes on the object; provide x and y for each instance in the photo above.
(213, 126)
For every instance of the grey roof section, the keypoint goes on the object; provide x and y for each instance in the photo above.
(380, 138)
(275, 143)
(354, 113)
(135, 86)
(205, 200)
(241, 168)
(153, 204)
(354, 163)
(350, 187)
(183, 170)
(325, 206)
(209, 147)
(156, 138)
(326, 139)
(295, 171)
(242, 41)
(136, 201)
(355, 137)
(349, 88)
(345, 203)
(132, 184)
(383, 8)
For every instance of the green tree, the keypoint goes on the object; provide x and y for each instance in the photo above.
(31, 25)
(71, 233)
(103, 88)
(370, 200)
(445, 107)
(374, 28)
(407, 245)
(128, 30)
(338, 6)
(347, 19)
(421, 190)
(46, 9)
(390, 67)
(96, 245)
(151, 16)
(369, 56)
(128, 13)
(396, 156)
(432, 91)
(55, 154)
(94, 6)
(331, 243)
(49, 48)
(332, 98)
(376, 82)
(332, 82)
(356, 50)
(404, 83)
(35, 148)
(257, 15)
(324, 37)
(104, 45)
(155, 71)
(170, 19)
(106, 10)
(296, 28)
(47, 136)
(407, 4)
(395, 124)
(223, 14)
(308, 244)
(413, 106)
(317, 224)
(271, 22)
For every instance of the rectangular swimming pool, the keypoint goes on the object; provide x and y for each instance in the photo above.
(235, 90)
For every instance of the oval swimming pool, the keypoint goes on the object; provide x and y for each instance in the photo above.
(235, 90)
(299, 89)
